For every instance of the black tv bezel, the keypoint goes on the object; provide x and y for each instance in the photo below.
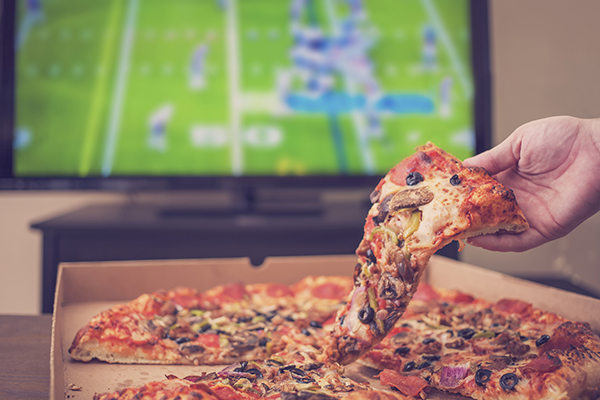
(482, 122)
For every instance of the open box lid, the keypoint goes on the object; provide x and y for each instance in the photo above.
(84, 289)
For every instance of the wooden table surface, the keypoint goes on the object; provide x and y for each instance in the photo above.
(25, 356)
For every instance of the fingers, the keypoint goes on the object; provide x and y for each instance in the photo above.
(509, 242)
(499, 158)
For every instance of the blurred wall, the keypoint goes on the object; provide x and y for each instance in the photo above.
(545, 61)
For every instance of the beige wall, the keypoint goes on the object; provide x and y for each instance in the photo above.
(545, 61)
(21, 247)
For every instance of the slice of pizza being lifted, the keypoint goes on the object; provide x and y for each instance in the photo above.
(426, 201)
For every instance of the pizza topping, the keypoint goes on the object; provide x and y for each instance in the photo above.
(455, 180)
(509, 381)
(384, 229)
(390, 288)
(451, 376)
(409, 366)
(545, 363)
(409, 385)
(402, 351)
(410, 198)
(543, 339)
(512, 306)
(366, 314)
(482, 376)
(374, 196)
(466, 333)
(414, 178)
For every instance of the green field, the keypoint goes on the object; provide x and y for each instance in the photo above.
(92, 74)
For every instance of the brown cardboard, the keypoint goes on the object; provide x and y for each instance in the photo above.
(85, 289)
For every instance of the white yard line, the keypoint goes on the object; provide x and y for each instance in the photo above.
(357, 118)
(233, 71)
(458, 66)
(116, 111)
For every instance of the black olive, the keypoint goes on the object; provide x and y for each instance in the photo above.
(287, 368)
(423, 365)
(297, 371)
(371, 256)
(543, 339)
(289, 318)
(482, 376)
(455, 180)
(409, 366)
(204, 328)
(244, 319)
(406, 325)
(304, 379)
(466, 333)
(242, 367)
(402, 351)
(316, 324)
(524, 338)
(428, 340)
(431, 358)
(182, 340)
(414, 178)
(496, 325)
(255, 372)
(366, 315)
(342, 318)
(306, 332)
(272, 362)
(451, 332)
(263, 342)
(509, 381)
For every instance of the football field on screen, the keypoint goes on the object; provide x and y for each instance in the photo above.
(194, 87)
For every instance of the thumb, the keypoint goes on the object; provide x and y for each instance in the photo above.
(498, 158)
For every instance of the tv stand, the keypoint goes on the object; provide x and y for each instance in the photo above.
(143, 231)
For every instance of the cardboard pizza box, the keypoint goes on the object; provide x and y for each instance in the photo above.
(85, 289)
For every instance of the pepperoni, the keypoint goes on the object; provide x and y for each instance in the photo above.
(233, 292)
(208, 340)
(228, 393)
(329, 290)
(463, 298)
(425, 293)
(562, 343)
(513, 306)
(545, 363)
(278, 290)
(410, 385)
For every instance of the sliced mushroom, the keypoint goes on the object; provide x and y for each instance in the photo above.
(244, 341)
(189, 349)
(410, 198)
(390, 288)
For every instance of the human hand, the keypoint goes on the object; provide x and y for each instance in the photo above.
(553, 167)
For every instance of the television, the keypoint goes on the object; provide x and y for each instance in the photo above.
(133, 95)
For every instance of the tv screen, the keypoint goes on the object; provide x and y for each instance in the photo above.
(239, 88)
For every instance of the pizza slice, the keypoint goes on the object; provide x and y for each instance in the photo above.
(426, 201)
(225, 324)
(292, 374)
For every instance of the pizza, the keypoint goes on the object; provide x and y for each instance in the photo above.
(225, 324)
(456, 343)
(426, 201)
